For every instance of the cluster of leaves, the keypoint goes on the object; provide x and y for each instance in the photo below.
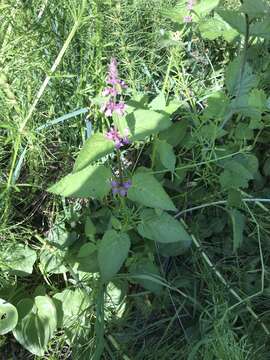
(110, 241)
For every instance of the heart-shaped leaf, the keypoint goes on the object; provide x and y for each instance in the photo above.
(36, 325)
(8, 317)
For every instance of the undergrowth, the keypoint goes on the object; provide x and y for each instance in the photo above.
(204, 295)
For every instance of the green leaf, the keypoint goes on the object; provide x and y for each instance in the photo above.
(142, 123)
(158, 103)
(238, 171)
(266, 167)
(112, 252)
(93, 149)
(175, 133)
(243, 132)
(89, 227)
(93, 181)
(217, 106)
(204, 7)
(215, 27)
(261, 29)
(52, 260)
(166, 154)
(142, 273)
(258, 8)
(233, 75)
(87, 258)
(36, 325)
(71, 306)
(162, 228)
(19, 260)
(60, 237)
(147, 191)
(238, 221)
(235, 19)
(8, 317)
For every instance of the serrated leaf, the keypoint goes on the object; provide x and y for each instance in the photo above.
(8, 317)
(147, 191)
(19, 260)
(162, 228)
(243, 132)
(61, 238)
(93, 149)
(233, 77)
(235, 19)
(217, 106)
(204, 7)
(36, 324)
(238, 172)
(238, 221)
(112, 252)
(93, 181)
(215, 27)
(166, 154)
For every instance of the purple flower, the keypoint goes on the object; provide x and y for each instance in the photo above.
(120, 108)
(127, 184)
(119, 140)
(190, 4)
(121, 189)
(113, 72)
(110, 91)
(188, 19)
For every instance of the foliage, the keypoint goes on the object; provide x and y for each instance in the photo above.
(154, 242)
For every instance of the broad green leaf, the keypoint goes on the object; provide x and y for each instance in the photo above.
(87, 260)
(142, 123)
(143, 272)
(60, 237)
(114, 302)
(71, 307)
(93, 149)
(162, 228)
(93, 181)
(204, 7)
(257, 8)
(211, 132)
(261, 29)
(243, 132)
(235, 19)
(166, 154)
(215, 27)
(89, 227)
(238, 171)
(238, 221)
(233, 77)
(266, 167)
(158, 103)
(178, 12)
(112, 252)
(52, 260)
(217, 106)
(175, 133)
(19, 260)
(8, 317)
(36, 324)
(147, 191)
